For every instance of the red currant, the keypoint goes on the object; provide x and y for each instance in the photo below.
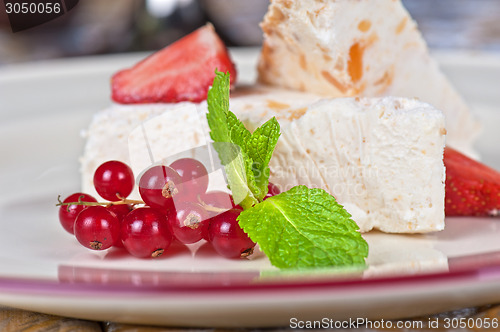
(227, 237)
(114, 180)
(188, 222)
(158, 185)
(218, 200)
(97, 228)
(146, 233)
(272, 190)
(120, 211)
(194, 176)
(68, 213)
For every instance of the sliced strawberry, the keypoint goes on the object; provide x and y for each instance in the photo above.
(182, 71)
(472, 188)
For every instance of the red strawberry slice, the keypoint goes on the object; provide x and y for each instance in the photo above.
(182, 71)
(472, 188)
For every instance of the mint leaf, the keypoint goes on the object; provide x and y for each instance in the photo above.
(228, 133)
(236, 164)
(248, 175)
(260, 148)
(304, 228)
(218, 106)
(239, 135)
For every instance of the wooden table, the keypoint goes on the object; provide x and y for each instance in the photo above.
(14, 320)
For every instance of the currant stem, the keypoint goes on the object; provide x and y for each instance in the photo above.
(209, 207)
(120, 202)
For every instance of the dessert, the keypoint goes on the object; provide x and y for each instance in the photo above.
(299, 228)
(377, 160)
(381, 158)
(358, 48)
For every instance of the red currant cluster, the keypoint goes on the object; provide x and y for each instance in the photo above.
(176, 205)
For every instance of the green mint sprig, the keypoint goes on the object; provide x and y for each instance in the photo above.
(299, 228)
(245, 155)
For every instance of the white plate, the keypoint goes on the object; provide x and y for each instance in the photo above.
(43, 108)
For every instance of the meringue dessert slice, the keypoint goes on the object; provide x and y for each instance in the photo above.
(382, 158)
(364, 48)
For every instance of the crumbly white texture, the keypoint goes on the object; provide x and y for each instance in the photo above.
(116, 133)
(381, 158)
(358, 48)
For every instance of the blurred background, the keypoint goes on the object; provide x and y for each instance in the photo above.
(118, 26)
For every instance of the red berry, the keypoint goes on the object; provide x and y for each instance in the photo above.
(194, 176)
(218, 200)
(145, 232)
(188, 222)
(114, 180)
(120, 211)
(183, 71)
(272, 190)
(472, 188)
(68, 213)
(158, 185)
(97, 228)
(227, 237)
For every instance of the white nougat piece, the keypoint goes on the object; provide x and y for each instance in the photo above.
(381, 157)
(365, 48)
(117, 133)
